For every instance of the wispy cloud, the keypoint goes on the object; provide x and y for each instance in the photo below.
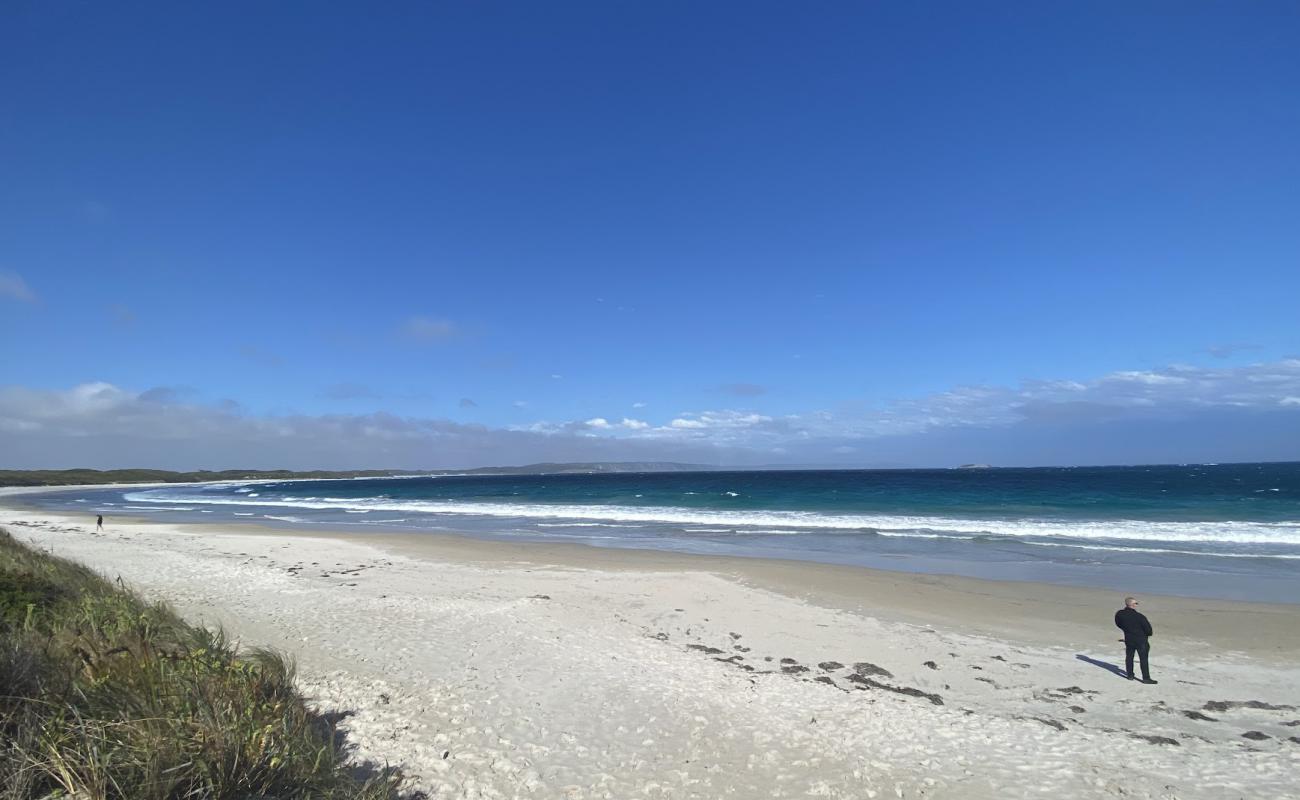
(428, 330)
(349, 391)
(122, 316)
(14, 287)
(100, 424)
(1225, 413)
(164, 395)
(465, 402)
(260, 355)
(743, 389)
(1229, 349)
(1169, 393)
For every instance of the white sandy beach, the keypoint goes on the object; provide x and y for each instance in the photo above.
(490, 670)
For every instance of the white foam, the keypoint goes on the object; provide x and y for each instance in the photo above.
(1131, 549)
(583, 525)
(1227, 532)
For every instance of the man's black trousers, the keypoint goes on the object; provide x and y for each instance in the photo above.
(1142, 648)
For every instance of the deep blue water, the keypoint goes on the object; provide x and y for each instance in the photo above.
(1228, 530)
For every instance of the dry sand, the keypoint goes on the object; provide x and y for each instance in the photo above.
(492, 670)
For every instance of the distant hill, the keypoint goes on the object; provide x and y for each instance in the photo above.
(70, 477)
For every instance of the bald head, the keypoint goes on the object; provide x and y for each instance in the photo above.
(1130, 602)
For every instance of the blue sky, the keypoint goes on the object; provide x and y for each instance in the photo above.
(846, 233)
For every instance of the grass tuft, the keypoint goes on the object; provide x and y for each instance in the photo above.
(106, 697)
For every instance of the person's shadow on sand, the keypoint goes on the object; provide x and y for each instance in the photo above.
(1106, 665)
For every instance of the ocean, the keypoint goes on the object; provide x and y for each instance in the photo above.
(1217, 530)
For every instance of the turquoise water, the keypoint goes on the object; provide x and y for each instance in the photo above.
(1223, 530)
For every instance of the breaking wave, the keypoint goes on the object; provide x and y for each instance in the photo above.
(774, 521)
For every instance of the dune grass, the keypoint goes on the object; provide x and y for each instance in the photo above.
(106, 697)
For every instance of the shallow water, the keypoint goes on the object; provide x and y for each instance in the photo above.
(1228, 530)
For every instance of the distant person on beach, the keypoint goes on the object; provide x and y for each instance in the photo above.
(1136, 631)
(99, 524)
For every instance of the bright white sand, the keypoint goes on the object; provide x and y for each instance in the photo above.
(490, 670)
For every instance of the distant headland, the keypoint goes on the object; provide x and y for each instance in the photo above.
(73, 477)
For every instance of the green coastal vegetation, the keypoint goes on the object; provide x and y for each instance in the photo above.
(106, 697)
(76, 477)
(73, 477)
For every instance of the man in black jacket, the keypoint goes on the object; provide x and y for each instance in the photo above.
(1136, 630)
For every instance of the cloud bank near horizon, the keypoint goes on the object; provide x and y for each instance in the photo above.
(1178, 413)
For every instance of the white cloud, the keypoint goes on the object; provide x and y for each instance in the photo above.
(14, 287)
(101, 425)
(638, 405)
(719, 419)
(162, 426)
(1169, 393)
(1151, 378)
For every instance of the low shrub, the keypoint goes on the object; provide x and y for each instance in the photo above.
(106, 697)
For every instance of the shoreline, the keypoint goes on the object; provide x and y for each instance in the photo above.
(613, 554)
(1030, 610)
(572, 671)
